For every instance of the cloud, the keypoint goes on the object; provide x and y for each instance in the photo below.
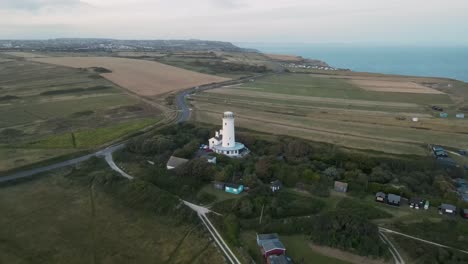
(33, 5)
(240, 20)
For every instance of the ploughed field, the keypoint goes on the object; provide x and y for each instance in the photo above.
(363, 112)
(146, 78)
(48, 110)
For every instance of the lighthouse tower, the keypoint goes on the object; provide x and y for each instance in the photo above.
(224, 141)
(229, 137)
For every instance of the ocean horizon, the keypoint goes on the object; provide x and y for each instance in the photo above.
(431, 61)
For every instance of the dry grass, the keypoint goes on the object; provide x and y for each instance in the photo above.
(345, 256)
(394, 86)
(281, 57)
(146, 78)
(24, 54)
(310, 99)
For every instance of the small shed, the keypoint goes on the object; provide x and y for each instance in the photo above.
(233, 188)
(393, 199)
(219, 185)
(464, 213)
(447, 209)
(271, 248)
(416, 203)
(211, 160)
(275, 186)
(261, 238)
(443, 115)
(380, 197)
(341, 186)
(460, 115)
(175, 162)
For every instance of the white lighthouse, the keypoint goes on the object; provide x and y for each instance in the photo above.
(229, 135)
(224, 141)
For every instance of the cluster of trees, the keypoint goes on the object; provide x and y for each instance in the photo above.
(420, 252)
(350, 232)
(297, 164)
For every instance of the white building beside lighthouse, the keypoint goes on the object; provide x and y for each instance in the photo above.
(224, 141)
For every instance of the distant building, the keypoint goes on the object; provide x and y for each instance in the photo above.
(275, 186)
(380, 197)
(175, 162)
(393, 199)
(447, 209)
(233, 188)
(270, 245)
(219, 185)
(273, 248)
(341, 186)
(416, 203)
(443, 115)
(460, 115)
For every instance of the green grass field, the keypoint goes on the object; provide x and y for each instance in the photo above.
(336, 111)
(309, 85)
(41, 106)
(92, 137)
(55, 219)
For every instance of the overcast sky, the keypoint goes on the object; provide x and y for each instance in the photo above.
(321, 21)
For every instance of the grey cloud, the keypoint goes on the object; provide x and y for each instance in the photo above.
(228, 3)
(33, 5)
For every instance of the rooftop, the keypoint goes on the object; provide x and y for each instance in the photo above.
(393, 198)
(272, 245)
(267, 236)
(448, 207)
(176, 162)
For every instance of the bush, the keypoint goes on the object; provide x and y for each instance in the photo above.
(350, 232)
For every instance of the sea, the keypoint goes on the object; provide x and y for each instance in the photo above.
(434, 61)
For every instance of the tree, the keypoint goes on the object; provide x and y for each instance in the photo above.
(332, 173)
(297, 150)
(263, 169)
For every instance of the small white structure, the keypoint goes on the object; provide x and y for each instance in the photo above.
(211, 160)
(224, 141)
(461, 115)
(175, 162)
(415, 119)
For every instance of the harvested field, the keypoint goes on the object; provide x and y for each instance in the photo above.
(146, 78)
(394, 86)
(282, 57)
(309, 99)
(337, 111)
